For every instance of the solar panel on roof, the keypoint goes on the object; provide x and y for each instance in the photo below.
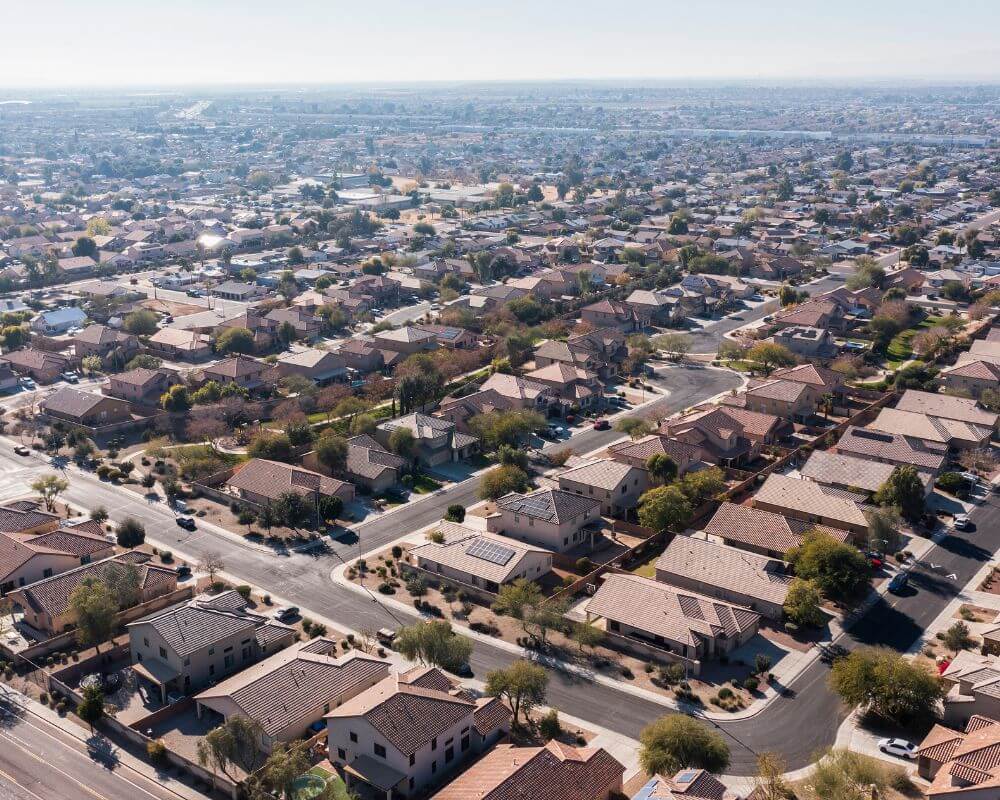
(490, 551)
(686, 777)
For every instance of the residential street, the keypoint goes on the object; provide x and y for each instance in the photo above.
(41, 762)
(303, 579)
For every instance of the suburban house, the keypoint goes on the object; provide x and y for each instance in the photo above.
(609, 313)
(893, 448)
(806, 341)
(961, 764)
(725, 434)
(789, 400)
(46, 602)
(726, 573)
(437, 441)
(479, 559)
(973, 683)
(290, 691)
(33, 546)
(236, 290)
(8, 378)
(459, 410)
(450, 336)
(320, 366)
(759, 531)
(615, 484)
(410, 732)
(141, 386)
(551, 518)
(368, 464)
(520, 392)
(555, 771)
(669, 622)
(85, 408)
(194, 644)
(948, 407)
(637, 453)
(574, 386)
(600, 351)
(842, 471)
(173, 343)
(814, 503)
(688, 784)
(100, 340)
(954, 434)
(262, 482)
(305, 324)
(243, 371)
(822, 380)
(40, 365)
(973, 377)
(61, 320)
(408, 340)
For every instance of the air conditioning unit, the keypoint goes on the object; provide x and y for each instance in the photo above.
(591, 588)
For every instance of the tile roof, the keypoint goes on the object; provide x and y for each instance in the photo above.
(840, 468)
(931, 429)
(406, 715)
(970, 760)
(271, 479)
(455, 553)
(662, 610)
(814, 375)
(642, 449)
(687, 784)
(549, 505)
(19, 520)
(762, 529)
(896, 448)
(813, 499)
(725, 567)
(51, 595)
(553, 772)
(602, 474)
(368, 458)
(282, 689)
(515, 387)
(236, 367)
(979, 370)
(946, 406)
(74, 402)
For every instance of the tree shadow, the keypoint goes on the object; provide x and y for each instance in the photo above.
(101, 750)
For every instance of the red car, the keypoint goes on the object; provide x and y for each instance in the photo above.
(601, 425)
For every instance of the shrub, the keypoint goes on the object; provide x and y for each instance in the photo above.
(307, 624)
(397, 552)
(61, 707)
(244, 591)
(751, 684)
(156, 750)
(456, 513)
(549, 725)
(627, 673)
(318, 629)
(43, 698)
(584, 566)
(386, 588)
(267, 599)
(725, 693)
(167, 557)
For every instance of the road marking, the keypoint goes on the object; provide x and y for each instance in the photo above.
(20, 785)
(40, 760)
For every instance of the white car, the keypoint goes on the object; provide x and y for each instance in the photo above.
(898, 747)
(961, 522)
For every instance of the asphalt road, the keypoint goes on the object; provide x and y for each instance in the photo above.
(41, 762)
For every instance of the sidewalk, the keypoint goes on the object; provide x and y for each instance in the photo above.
(124, 757)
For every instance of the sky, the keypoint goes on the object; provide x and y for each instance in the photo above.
(115, 43)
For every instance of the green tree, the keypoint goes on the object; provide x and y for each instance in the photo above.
(502, 480)
(664, 507)
(434, 643)
(957, 637)
(675, 345)
(91, 707)
(883, 529)
(85, 246)
(515, 599)
(770, 781)
(130, 533)
(235, 340)
(885, 684)
(702, 484)
(362, 424)
(271, 446)
(803, 603)
(904, 490)
(276, 778)
(839, 569)
(661, 468)
(496, 428)
(176, 398)
(125, 584)
(770, 355)
(94, 609)
(677, 741)
(586, 634)
(634, 427)
(140, 323)
(49, 487)
(331, 450)
(403, 443)
(523, 685)
(293, 510)
(232, 748)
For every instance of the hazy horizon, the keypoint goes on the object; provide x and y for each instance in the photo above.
(224, 44)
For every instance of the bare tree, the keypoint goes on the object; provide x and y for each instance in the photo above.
(211, 563)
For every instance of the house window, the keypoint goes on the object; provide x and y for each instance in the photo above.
(465, 743)
(229, 661)
(211, 651)
(85, 559)
(449, 755)
(413, 759)
(341, 754)
(47, 572)
(326, 708)
(379, 750)
(187, 662)
(211, 669)
(145, 641)
(434, 766)
(246, 653)
(354, 737)
(163, 652)
(434, 743)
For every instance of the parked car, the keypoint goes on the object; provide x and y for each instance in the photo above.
(21, 450)
(70, 377)
(601, 425)
(899, 582)
(386, 636)
(285, 612)
(186, 522)
(183, 571)
(26, 382)
(962, 522)
(898, 747)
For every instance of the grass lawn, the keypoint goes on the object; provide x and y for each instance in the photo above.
(647, 570)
